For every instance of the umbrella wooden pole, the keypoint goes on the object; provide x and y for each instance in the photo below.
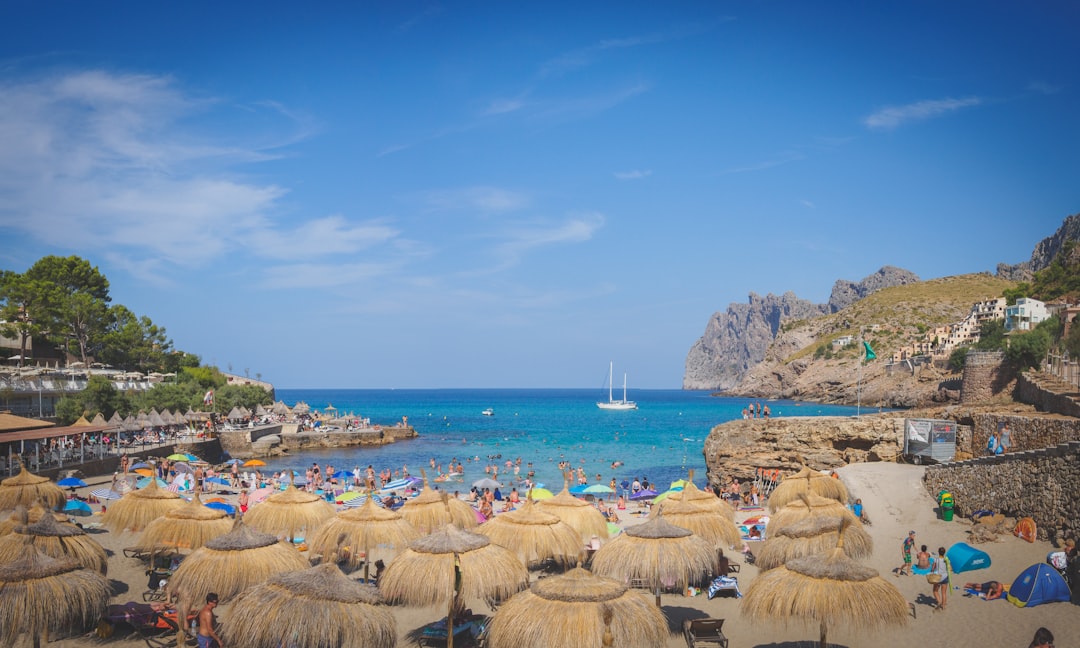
(658, 595)
(824, 643)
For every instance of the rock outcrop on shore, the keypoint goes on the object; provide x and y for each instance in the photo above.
(739, 448)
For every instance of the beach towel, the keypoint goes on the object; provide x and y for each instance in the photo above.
(1025, 529)
(724, 583)
(922, 571)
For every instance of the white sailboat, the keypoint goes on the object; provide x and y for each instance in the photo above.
(611, 403)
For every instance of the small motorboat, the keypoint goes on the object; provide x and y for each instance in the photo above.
(488, 412)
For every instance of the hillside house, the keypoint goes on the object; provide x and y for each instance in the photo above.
(1025, 314)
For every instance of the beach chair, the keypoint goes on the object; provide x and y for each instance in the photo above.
(704, 632)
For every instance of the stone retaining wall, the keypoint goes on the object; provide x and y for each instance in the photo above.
(1040, 484)
(1030, 389)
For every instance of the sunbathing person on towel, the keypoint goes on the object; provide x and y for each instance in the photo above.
(989, 590)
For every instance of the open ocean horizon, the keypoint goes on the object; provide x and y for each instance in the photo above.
(661, 440)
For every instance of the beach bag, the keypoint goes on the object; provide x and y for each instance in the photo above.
(933, 579)
(991, 444)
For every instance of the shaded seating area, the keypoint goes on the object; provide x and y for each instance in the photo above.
(704, 632)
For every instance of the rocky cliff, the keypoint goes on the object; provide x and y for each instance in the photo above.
(736, 340)
(1044, 252)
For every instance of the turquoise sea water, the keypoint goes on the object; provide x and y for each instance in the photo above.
(661, 440)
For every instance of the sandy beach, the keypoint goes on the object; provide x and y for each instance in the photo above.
(895, 502)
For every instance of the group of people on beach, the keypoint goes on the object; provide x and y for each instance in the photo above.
(756, 411)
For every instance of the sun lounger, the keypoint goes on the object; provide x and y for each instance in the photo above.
(704, 632)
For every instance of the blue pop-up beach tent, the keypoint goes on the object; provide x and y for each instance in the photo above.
(1038, 584)
(963, 557)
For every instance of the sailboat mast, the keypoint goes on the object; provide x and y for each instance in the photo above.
(610, 379)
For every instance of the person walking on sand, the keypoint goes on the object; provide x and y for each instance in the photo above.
(905, 549)
(939, 572)
(206, 636)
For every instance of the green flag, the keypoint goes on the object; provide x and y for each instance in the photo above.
(870, 355)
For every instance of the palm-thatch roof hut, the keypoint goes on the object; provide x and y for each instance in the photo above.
(288, 512)
(448, 565)
(138, 508)
(586, 607)
(186, 527)
(229, 564)
(27, 489)
(154, 419)
(828, 589)
(323, 608)
(657, 553)
(807, 481)
(99, 419)
(363, 534)
(116, 420)
(22, 516)
(40, 594)
(535, 536)
(813, 535)
(579, 514)
(808, 505)
(695, 499)
(430, 511)
(65, 541)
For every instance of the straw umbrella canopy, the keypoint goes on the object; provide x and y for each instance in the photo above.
(827, 588)
(229, 564)
(814, 535)
(40, 594)
(658, 553)
(22, 516)
(289, 511)
(99, 419)
(807, 481)
(116, 420)
(322, 606)
(535, 536)
(579, 514)
(187, 527)
(808, 505)
(57, 540)
(28, 489)
(428, 512)
(138, 508)
(449, 564)
(359, 534)
(702, 513)
(570, 610)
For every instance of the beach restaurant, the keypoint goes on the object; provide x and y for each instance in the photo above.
(42, 445)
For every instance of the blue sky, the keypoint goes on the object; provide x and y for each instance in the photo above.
(469, 194)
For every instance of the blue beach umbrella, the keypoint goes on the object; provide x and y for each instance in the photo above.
(217, 480)
(221, 506)
(141, 464)
(233, 461)
(579, 489)
(597, 489)
(357, 502)
(145, 481)
(643, 494)
(71, 482)
(77, 507)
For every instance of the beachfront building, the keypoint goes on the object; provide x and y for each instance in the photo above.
(1025, 314)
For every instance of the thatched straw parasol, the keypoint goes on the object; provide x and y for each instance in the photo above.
(318, 607)
(188, 527)
(814, 535)
(427, 512)
(807, 481)
(40, 594)
(449, 564)
(569, 610)
(28, 489)
(138, 508)
(826, 588)
(579, 514)
(658, 553)
(65, 541)
(535, 536)
(807, 505)
(361, 535)
(702, 513)
(21, 516)
(229, 564)
(288, 512)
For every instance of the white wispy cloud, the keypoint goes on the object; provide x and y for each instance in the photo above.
(106, 162)
(504, 106)
(781, 158)
(891, 117)
(483, 199)
(518, 241)
(1045, 88)
(584, 56)
(808, 204)
(636, 174)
